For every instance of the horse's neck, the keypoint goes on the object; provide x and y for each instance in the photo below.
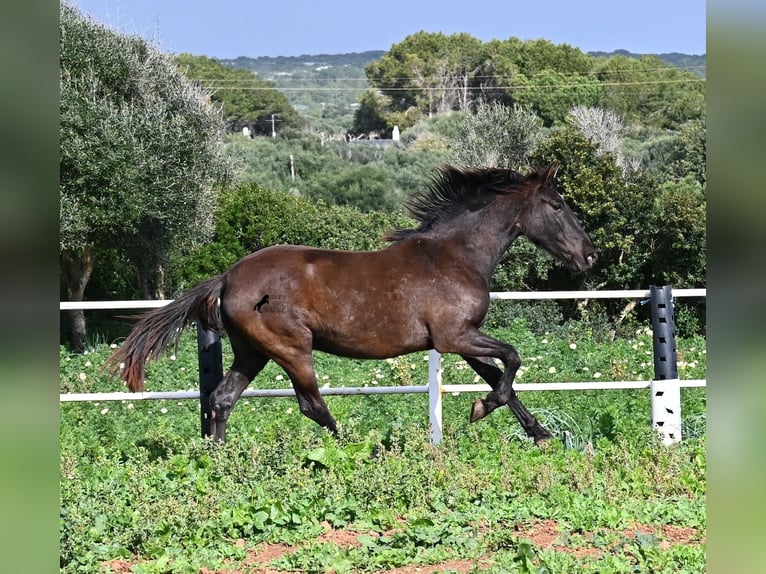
(480, 240)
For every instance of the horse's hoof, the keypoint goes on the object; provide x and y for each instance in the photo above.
(478, 411)
(542, 441)
(542, 438)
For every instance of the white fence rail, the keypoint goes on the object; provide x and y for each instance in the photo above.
(434, 388)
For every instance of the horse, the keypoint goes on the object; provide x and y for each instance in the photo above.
(427, 289)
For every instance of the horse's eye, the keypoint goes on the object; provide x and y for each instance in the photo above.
(557, 205)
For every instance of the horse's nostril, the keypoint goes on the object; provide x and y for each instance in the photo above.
(591, 258)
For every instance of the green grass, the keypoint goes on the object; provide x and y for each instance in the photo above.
(138, 482)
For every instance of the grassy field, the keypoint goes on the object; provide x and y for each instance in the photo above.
(141, 492)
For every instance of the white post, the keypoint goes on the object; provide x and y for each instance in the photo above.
(666, 409)
(435, 395)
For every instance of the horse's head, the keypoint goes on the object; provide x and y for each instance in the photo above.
(548, 222)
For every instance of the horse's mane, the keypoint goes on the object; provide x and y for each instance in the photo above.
(453, 190)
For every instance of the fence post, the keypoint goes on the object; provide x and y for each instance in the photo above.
(210, 358)
(435, 395)
(665, 388)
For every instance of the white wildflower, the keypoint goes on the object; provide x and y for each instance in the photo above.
(172, 357)
(544, 341)
(88, 363)
(280, 377)
(104, 411)
(596, 375)
(289, 410)
(82, 376)
(573, 346)
(552, 370)
(113, 346)
(164, 411)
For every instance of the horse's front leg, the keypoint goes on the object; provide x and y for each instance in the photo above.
(488, 371)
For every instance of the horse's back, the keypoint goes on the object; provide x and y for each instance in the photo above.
(354, 303)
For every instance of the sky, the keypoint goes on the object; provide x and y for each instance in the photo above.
(252, 28)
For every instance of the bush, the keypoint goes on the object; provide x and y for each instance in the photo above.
(250, 217)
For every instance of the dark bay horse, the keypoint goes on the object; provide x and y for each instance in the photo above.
(429, 289)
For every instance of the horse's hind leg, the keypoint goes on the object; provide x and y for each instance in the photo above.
(247, 364)
(488, 371)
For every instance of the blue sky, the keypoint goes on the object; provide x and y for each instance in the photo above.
(232, 28)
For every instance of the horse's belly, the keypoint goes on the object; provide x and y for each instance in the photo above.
(380, 338)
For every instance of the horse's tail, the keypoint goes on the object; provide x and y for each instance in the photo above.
(157, 329)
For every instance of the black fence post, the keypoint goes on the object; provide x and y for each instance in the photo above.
(210, 357)
(665, 388)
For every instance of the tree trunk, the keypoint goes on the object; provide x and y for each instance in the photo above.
(159, 282)
(77, 267)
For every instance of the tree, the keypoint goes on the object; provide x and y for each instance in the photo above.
(246, 100)
(551, 93)
(602, 128)
(140, 156)
(432, 72)
(497, 136)
(370, 115)
(648, 91)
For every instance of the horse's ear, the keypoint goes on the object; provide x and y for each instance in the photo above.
(549, 173)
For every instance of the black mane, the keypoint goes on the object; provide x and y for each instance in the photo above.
(453, 190)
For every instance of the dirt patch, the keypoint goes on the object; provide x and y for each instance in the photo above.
(543, 534)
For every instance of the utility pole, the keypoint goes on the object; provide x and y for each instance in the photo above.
(273, 126)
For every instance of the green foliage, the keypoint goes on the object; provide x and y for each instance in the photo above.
(436, 73)
(647, 91)
(137, 483)
(250, 217)
(497, 136)
(366, 177)
(370, 116)
(552, 93)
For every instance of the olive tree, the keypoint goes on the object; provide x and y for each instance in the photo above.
(497, 136)
(140, 157)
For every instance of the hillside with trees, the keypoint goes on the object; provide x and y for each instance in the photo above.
(323, 88)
